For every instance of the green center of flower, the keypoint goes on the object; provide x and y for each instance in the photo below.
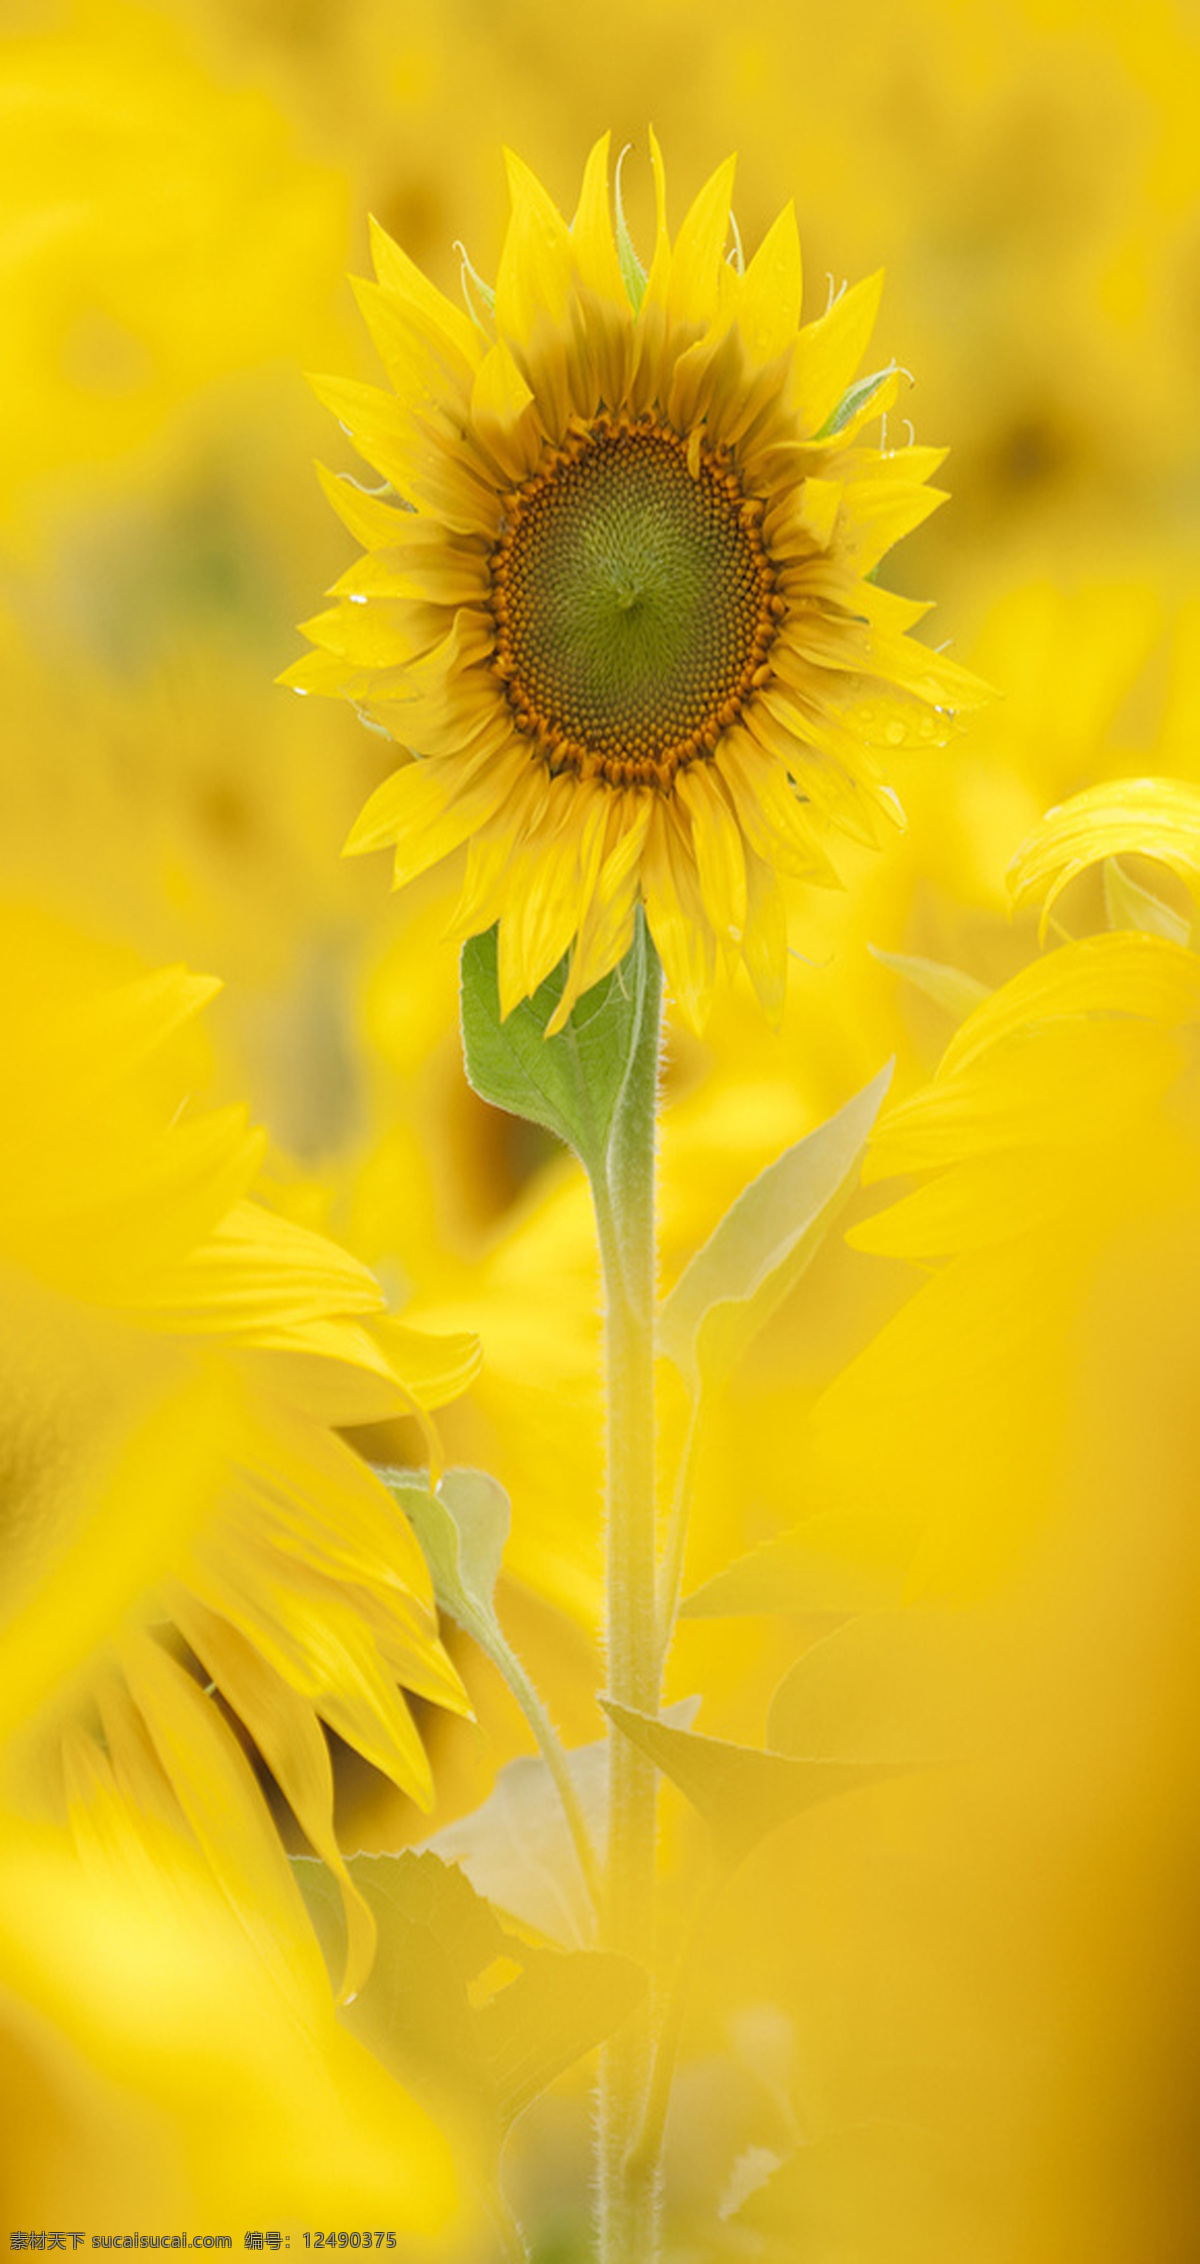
(633, 600)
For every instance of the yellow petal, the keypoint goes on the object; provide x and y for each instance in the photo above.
(420, 456)
(718, 849)
(505, 414)
(697, 260)
(534, 277)
(768, 299)
(447, 325)
(766, 945)
(423, 377)
(435, 1367)
(606, 927)
(1124, 973)
(1159, 817)
(224, 1808)
(554, 873)
(888, 504)
(773, 818)
(592, 242)
(658, 280)
(1071, 1085)
(426, 809)
(375, 520)
(256, 1271)
(830, 351)
(678, 921)
(289, 1737)
(318, 1640)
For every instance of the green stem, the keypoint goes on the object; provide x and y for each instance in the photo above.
(500, 1651)
(673, 1555)
(627, 2183)
(649, 2143)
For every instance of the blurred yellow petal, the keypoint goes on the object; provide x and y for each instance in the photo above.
(1105, 974)
(1160, 817)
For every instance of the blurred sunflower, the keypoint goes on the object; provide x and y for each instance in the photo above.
(616, 594)
(175, 1357)
(1062, 1129)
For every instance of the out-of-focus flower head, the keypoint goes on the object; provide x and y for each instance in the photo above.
(175, 1359)
(160, 231)
(154, 2067)
(616, 596)
(1063, 1116)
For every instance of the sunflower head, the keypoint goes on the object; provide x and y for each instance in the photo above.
(615, 597)
(186, 1540)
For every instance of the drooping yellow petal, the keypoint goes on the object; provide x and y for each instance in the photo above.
(560, 864)
(1063, 1085)
(288, 1735)
(426, 809)
(720, 863)
(317, 1639)
(606, 927)
(436, 1367)
(672, 897)
(1159, 817)
(771, 815)
(766, 935)
(1124, 973)
(256, 1272)
(221, 1802)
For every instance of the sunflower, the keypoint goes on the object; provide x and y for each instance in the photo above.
(616, 598)
(1059, 1135)
(195, 1562)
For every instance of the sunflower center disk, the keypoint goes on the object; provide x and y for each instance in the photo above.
(633, 602)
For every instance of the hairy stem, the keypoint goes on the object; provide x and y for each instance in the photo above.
(671, 1580)
(627, 2181)
(649, 2143)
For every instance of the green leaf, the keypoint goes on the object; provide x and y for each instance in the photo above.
(901, 1686)
(516, 1847)
(1129, 905)
(458, 2008)
(875, 2193)
(571, 1083)
(730, 1289)
(742, 1791)
(949, 987)
(633, 274)
(836, 1562)
(462, 1529)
